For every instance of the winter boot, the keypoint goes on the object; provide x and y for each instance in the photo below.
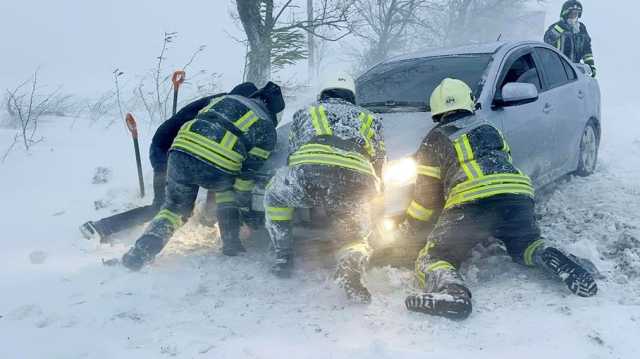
(348, 275)
(453, 302)
(143, 252)
(91, 231)
(283, 266)
(579, 281)
(232, 247)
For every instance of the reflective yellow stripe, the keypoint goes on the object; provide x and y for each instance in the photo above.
(367, 132)
(417, 211)
(243, 185)
(466, 157)
(212, 103)
(331, 160)
(246, 121)
(225, 197)
(206, 154)
(531, 249)
(279, 213)
(429, 171)
(174, 219)
(320, 121)
(229, 140)
(259, 152)
(325, 149)
(424, 252)
(490, 180)
(489, 191)
(211, 145)
(559, 29)
(440, 265)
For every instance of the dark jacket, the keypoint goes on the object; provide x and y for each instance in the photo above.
(168, 130)
(461, 161)
(575, 45)
(234, 133)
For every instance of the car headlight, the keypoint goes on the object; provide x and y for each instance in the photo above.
(400, 172)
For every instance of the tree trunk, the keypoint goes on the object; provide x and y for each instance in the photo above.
(310, 44)
(259, 38)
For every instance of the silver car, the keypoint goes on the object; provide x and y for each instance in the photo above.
(547, 107)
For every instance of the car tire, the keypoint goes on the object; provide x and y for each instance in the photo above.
(588, 151)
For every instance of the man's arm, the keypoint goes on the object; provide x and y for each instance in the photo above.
(428, 197)
(587, 58)
(553, 35)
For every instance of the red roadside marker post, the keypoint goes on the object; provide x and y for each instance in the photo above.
(177, 79)
(133, 128)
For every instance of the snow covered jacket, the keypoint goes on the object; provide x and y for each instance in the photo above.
(234, 133)
(461, 161)
(337, 133)
(575, 45)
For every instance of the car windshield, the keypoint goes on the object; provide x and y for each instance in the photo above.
(405, 85)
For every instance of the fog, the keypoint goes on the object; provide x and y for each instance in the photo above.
(77, 44)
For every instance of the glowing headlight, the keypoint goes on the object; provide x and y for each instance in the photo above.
(400, 173)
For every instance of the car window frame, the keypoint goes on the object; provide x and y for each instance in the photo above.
(544, 74)
(508, 60)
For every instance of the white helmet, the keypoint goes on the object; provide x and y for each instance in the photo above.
(339, 82)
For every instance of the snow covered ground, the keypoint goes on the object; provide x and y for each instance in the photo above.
(57, 300)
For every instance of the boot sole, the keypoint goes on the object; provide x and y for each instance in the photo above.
(579, 281)
(440, 304)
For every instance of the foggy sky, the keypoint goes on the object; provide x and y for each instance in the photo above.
(78, 43)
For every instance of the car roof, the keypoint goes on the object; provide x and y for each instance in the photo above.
(484, 48)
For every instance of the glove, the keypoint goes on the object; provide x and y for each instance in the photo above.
(593, 70)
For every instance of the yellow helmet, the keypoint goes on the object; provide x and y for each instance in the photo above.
(451, 95)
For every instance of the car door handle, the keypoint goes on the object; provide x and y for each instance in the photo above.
(547, 108)
(580, 94)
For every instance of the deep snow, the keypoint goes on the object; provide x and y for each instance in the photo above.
(58, 301)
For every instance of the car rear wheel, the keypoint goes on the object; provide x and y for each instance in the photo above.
(589, 144)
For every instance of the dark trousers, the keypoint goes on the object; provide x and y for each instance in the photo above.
(509, 218)
(186, 174)
(345, 195)
(136, 216)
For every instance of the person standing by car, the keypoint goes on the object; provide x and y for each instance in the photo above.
(336, 154)
(570, 36)
(158, 155)
(229, 139)
(468, 187)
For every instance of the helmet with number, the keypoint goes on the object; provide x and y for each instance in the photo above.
(451, 95)
(569, 6)
(341, 86)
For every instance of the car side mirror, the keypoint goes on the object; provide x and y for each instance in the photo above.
(518, 93)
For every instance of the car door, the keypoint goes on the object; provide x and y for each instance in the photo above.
(527, 128)
(565, 106)
(568, 107)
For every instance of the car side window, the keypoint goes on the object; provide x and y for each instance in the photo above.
(555, 73)
(522, 70)
(569, 70)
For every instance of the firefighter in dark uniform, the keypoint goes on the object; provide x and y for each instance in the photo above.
(570, 36)
(336, 154)
(104, 228)
(469, 188)
(218, 150)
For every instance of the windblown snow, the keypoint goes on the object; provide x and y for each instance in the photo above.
(57, 300)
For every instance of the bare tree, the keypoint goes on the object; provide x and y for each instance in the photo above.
(25, 106)
(385, 26)
(275, 31)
